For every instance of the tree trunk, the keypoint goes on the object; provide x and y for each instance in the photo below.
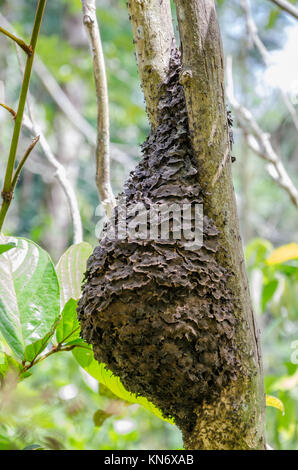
(236, 419)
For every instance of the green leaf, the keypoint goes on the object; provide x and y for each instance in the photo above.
(99, 417)
(268, 292)
(29, 296)
(257, 251)
(84, 356)
(275, 403)
(6, 247)
(7, 364)
(33, 350)
(70, 270)
(274, 14)
(69, 326)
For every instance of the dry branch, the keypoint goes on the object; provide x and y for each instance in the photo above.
(258, 140)
(256, 40)
(103, 120)
(287, 6)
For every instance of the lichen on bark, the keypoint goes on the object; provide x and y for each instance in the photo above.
(159, 315)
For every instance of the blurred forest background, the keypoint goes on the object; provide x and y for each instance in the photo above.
(56, 407)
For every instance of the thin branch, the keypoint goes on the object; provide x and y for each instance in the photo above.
(20, 42)
(6, 192)
(256, 40)
(22, 163)
(64, 103)
(287, 6)
(68, 109)
(10, 110)
(103, 120)
(60, 175)
(258, 140)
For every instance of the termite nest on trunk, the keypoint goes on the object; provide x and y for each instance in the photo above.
(158, 313)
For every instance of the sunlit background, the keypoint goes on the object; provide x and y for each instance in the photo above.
(56, 407)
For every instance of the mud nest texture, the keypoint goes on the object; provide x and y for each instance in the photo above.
(158, 315)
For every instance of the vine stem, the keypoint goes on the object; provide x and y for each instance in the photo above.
(7, 191)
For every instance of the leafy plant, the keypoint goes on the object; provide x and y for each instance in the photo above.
(38, 312)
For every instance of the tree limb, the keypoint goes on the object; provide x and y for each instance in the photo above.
(61, 176)
(153, 34)
(60, 173)
(287, 6)
(255, 39)
(203, 80)
(259, 141)
(103, 120)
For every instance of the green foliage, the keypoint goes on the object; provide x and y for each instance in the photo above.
(6, 246)
(68, 328)
(85, 358)
(70, 270)
(273, 277)
(29, 298)
(34, 414)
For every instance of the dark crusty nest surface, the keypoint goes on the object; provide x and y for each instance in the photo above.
(158, 315)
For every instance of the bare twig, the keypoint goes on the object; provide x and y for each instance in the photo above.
(256, 40)
(64, 103)
(22, 162)
(69, 110)
(20, 42)
(60, 175)
(9, 109)
(287, 6)
(103, 121)
(258, 140)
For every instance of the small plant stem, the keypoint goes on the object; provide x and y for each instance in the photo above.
(54, 350)
(22, 163)
(10, 110)
(7, 192)
(19, 41)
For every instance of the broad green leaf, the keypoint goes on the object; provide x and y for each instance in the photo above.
(33, 350)
(84, 356)
(69, 326)
(29, 295)
(70, 270)
(275, 403)
(283, 253)
(6, 247)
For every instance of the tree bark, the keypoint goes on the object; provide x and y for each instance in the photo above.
(236, 419)
(153, 34)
